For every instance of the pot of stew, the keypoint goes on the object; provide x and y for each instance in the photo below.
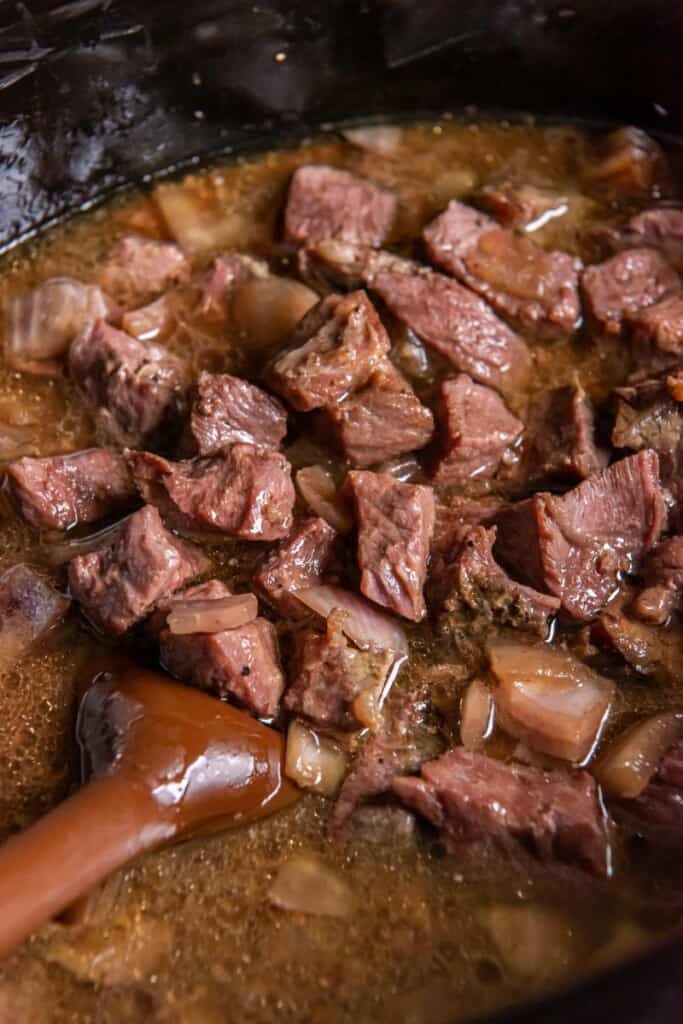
(341, 547)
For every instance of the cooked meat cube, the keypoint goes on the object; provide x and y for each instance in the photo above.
(519, 205)
(241, 663)
(648, 416)
(226, 410)
(333, 352)
(243, 490)
(538, 289)
(225, 274)
(478, 430)
(657, 332)
(452, 523)
(138, 269)
(626, 283)
(650, 650)
(136, 390)
(384, 419)
(574, 546)
(662, 228)
(630, 161)
(299, 561)
(395, 525)
(475, 800)
(120, 583)
(331, 673)
(560, 437)
(29, 607)
(657, 813)
(483, 595)
(325, 202)
(60, 491)
(662, 572)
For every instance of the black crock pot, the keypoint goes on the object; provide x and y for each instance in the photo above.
(96, 94)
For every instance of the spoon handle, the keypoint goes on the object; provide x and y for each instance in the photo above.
(63, 855)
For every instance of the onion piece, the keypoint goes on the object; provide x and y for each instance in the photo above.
(404, 468)
(266, 310)
(16, 441)
(379, 138)
(632, 758)
(366, 625)
(304, 883)
(533, 942)
(212, 615)
(150, 322)
(42, 323)
(317, 487)
(549, 699)
(476, 715)
(314, 761)
(199, 217)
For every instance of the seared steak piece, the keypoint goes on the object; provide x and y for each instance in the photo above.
(453, 521)
(519, 205)
(384, 419)
(325, 202)
(630, 162)
(395, 525)
(648, 415)
(241, 663)
(244, 490)
(575, 545)
(138, 269)
(136, 390)
(657, 814)
(662, 228)
(298, 561)
(29, 607)
(478, 429)
(657, 332)
(334, 350)
(120, 583)
(60, 491)
(225, 273)
(626, 283)
(662, 572)
(475, 800)
(227, 410)
(522, 281)
(650, 650)
(560, 437)
(483, 595)
(330, 673)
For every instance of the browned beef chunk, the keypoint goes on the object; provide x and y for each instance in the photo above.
(227, 410)
(537, 289)
(334, 350)
(657, 332)
(657, 814)
(475, 800)
(136, 390)
(629, 281)
(242, 663)
(120, 583)
(384, 419)
(560, 437)
(453, 521)
(226, 273)
(243, 490)
(29, 607)
(395, 525)
(575, 545)
(331, 673)
(325, 202)
(661, 227)
(519, 205)
(299, 561)
(60, 491)
(648, 416)
(662, 572)
(483, 595)
(478, 430)
(139, 268)
(630, 162)
(651, 650)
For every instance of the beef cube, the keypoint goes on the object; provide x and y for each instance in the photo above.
(325, 202)
(575, 546)
(120, 583)
(650, 650)
(60, 491)
(630, 162)
(478, 430)
(626, 283)
(136, 390)
(452, 523)
(29, 607)
(384, 419)
(560, 437)
(224, 275)
(522, 281)
(227, 410)
(648, 416)
(657, 813)
(483, 595)
(299, 561)
(519, 205)
(241, 663)
(662, 572)
(331, 673)
(661, 228)
(334, 350)
(395, 525)
(244, 490)
(657, 332)
(477, 801)
(138, 269)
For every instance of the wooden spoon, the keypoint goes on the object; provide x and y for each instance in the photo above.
(165, 761)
